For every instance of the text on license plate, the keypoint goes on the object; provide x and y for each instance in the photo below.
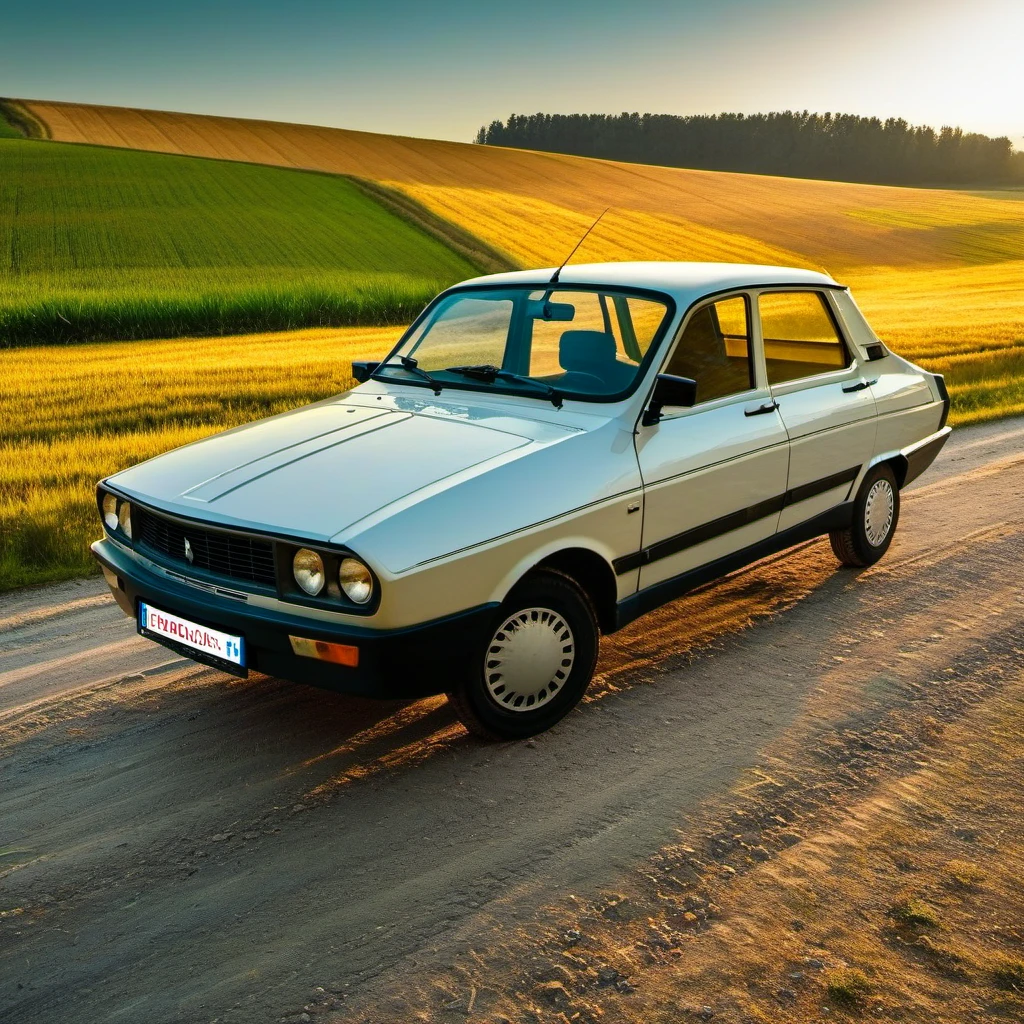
(201, 638)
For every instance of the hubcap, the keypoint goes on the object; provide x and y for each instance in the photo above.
(529, 659)
(878, 510)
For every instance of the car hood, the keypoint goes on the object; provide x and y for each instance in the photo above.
(315, 471)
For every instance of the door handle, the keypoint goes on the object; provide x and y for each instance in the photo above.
(860, 385)
(762, 409)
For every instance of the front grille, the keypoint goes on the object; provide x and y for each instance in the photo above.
(226, 554)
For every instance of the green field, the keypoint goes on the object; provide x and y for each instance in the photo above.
(100, 244)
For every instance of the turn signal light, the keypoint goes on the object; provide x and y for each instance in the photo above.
(338, 654)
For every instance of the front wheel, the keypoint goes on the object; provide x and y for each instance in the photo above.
(536, 664)
(876, 511)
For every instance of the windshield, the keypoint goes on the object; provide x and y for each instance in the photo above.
(583, 343)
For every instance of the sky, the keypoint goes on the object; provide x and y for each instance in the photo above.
(442, 69)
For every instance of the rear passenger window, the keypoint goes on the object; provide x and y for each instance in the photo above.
(715, 350)
(800, 337)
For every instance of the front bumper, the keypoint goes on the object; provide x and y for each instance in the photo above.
(401, 663)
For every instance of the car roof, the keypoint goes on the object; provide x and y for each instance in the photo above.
(686, 282)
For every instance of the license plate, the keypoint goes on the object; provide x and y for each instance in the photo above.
(223, 650)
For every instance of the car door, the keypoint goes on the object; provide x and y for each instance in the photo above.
(824, 398)
(713, 474)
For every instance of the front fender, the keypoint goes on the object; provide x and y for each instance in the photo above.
(546, 552)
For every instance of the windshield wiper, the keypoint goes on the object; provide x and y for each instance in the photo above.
(409, 363)
(487, 372)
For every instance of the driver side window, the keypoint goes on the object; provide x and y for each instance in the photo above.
(715, 350)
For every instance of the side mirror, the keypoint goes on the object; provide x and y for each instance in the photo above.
(669, 390)
(362, 369)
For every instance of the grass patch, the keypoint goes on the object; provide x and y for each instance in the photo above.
(18, 122)
(164, 304)
(964, 874)
(1009, 974)
(914, 913)
(100, 244)
(8, 125)
(983, 386)
(846, 986)
(966, 323)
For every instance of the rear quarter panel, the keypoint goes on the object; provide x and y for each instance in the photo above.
(906, 398)
(909, 408)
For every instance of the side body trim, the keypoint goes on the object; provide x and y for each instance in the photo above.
(816, 487)
(726, 524)
(638, 604)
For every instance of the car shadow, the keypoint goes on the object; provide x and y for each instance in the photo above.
(371, 737)
(313, 743)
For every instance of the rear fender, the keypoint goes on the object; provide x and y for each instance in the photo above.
(910, 462)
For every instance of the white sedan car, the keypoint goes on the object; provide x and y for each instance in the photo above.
(543, 457)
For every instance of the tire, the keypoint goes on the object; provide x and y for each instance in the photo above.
(876, 511)
(536, 663)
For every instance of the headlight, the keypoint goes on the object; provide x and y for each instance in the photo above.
(308, 570)
(110, 511)
(124, 517)
(355, 580)
(117, 514)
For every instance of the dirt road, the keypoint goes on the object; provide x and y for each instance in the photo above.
(178, 845)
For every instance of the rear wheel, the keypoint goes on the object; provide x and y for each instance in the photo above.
(536, 664)
(876, 511)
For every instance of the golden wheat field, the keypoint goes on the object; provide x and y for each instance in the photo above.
(73, 414)
(940, 274)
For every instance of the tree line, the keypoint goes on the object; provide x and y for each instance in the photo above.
(841, 147)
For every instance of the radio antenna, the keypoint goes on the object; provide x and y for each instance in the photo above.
(554, 276)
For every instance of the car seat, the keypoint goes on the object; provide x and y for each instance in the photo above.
(588, 354)
(701, 356)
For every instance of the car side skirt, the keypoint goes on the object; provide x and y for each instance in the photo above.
(838, 518)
